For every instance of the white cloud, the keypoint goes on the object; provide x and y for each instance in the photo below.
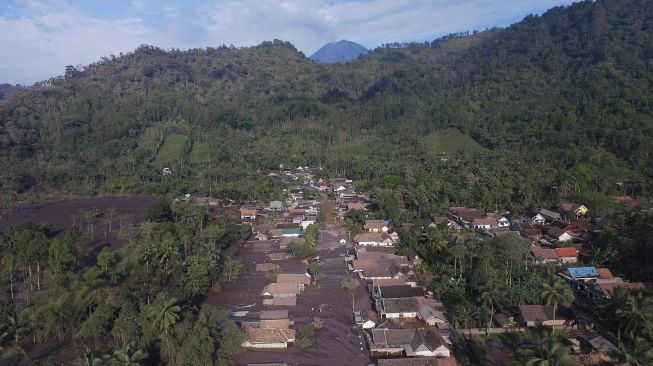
(50, 34)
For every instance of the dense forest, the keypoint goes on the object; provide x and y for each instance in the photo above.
(555, 105)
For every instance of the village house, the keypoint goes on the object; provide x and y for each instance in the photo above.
(268, 338)
(286, 289)
(262, 245)
(273, 314)
(482, 223)
(466, 216)
(428, 313)
(539, 315)
(444, 221)
(574, 208)
(397, 308)
(207, 201)
(276, 206)
(357, 206)
(421, 361)
(373, 239)
(567, 255)
(533, 218)
(409, 342)
(365, 319)
(275, 233)
(306, 223)
(559, 234)
(544, 255)
(321, 186)
(303, 279)
(398, 291)
(247, 213)
(550, 215)
(499, 220)
(260, 236)
(278, 256)
(290, 233)
(527, 230)
(376, 226)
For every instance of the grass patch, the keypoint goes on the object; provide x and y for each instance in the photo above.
(174, 147)
(200, 153)
(451, 141)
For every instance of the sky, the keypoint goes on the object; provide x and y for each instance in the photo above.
(38, 38)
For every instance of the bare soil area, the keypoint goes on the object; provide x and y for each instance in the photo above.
(116, 214)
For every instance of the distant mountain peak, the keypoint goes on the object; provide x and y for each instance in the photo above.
(341, 51)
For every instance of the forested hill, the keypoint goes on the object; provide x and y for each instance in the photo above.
(558, 104)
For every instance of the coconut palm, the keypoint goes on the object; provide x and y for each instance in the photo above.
(549, 352)
(13, 326)
(492, 295)
(350, 285)
(556, 293)
(163, 312)
(89, 359)
(124, 357)
(635, 314)
(639, 352)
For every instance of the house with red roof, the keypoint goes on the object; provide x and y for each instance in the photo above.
(567, 255)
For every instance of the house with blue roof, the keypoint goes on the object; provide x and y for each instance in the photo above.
(577, 277)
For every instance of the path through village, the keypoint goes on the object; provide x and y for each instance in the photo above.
(339, 342)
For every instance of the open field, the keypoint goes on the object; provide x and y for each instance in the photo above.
(450, 141)
(174, 147)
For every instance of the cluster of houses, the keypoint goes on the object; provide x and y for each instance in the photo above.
(397, 300)
(284, 222)
(294, 217)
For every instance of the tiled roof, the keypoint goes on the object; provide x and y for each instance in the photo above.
(401, 291)
(567, 252)
(544, 253)
(282, 288)
(605, 273)
(407, 305)
(369, 237)
(275, 323)
(269, 335)
(533, 313)
(274, 314)
(294, 277)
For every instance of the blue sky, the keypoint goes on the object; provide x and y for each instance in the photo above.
(39, 37)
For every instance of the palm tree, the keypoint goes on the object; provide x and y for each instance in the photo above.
(124, 358)
(350, 285)
(555, 293)
(491, 295)
(89, 359)
(14, 326)
(549, 352)
(640, 352)
(635, 314)
(163, 312)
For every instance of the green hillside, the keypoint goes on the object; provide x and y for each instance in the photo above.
(547, 98)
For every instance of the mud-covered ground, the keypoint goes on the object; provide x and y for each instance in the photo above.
(116, 215)
(339, 342)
